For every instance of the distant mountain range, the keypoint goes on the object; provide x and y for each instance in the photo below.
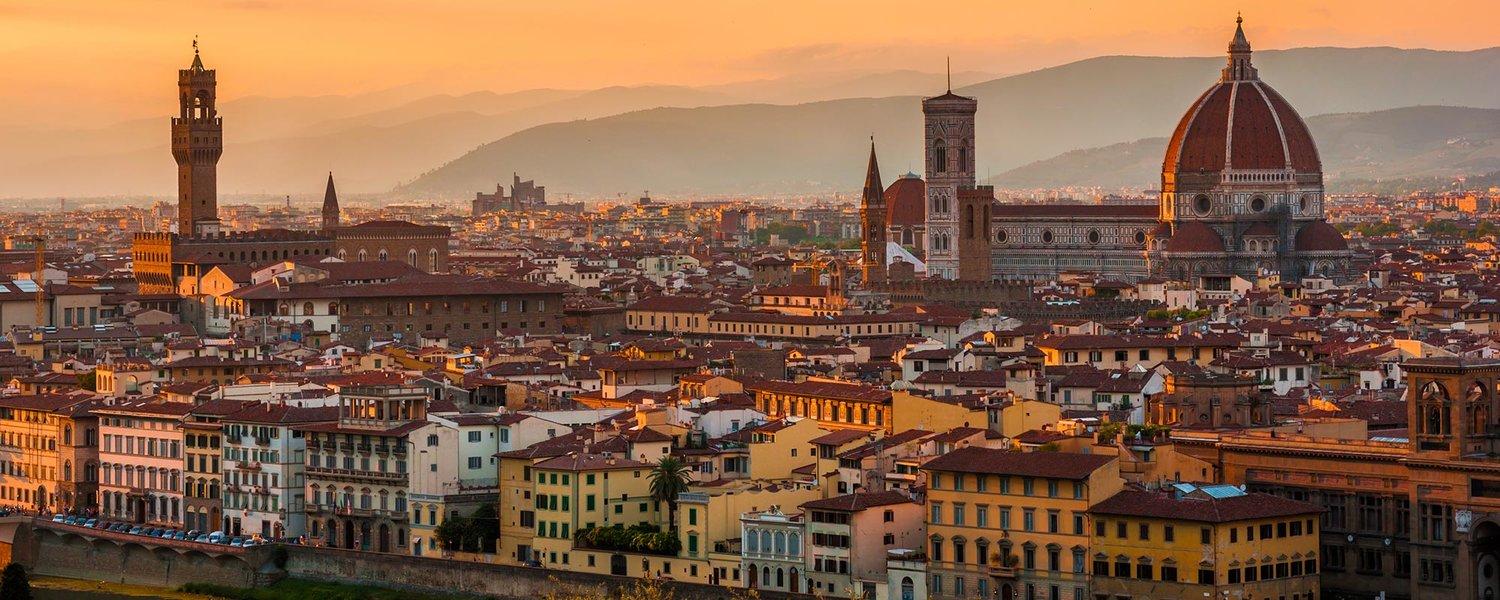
(1411, 142)
(371, 141)
(776, 136)
(1022, 118)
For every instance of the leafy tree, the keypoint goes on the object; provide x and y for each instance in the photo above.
(89, 381)
(451, 532)
(14, 584)
(668, 479)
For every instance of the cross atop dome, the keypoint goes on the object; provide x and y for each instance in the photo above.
(1239, 67)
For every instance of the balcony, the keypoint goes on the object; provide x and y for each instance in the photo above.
(363, 448)
(262, 441)
(249, 466)
(315, 445)
(355, 474)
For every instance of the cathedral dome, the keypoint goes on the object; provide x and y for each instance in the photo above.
(1319, 236)
(1240, 123)
(906, 201)
(1192, 236)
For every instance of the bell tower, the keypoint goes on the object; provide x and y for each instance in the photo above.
(948, 138)
(197, 143)
(872, 219)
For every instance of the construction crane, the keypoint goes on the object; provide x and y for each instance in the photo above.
(39, 279)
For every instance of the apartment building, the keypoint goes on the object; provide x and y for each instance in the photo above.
(141, 462)
(1013, 523)
(1212, 541)
(48, 453)
(264, 465)
(453, 473)
(356, 468)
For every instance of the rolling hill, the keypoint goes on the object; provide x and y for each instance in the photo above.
(1022, 119)
(1418, 141)
(709, 139)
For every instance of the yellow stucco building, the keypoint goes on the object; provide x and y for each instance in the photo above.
(1204, 542)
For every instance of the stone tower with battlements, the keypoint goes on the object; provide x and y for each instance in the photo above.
(197, 143)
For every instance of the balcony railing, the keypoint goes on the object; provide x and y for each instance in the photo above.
(312, 471)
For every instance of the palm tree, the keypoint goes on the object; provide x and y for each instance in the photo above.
(668, 479)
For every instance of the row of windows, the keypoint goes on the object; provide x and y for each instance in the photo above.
(1143, 531)
(1003, 484)
(960, 517)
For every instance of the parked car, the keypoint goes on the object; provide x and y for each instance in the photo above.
(216, 537)
(136, 530)
(202, 539)
(58, 518)
(237, 542)
(91, 523)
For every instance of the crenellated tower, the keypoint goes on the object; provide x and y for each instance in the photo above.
(197, 143)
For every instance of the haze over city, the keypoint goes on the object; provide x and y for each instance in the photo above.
(749, 301)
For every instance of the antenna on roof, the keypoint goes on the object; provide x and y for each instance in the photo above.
(950, 70)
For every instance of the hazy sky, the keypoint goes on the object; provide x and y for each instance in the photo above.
(100, 61)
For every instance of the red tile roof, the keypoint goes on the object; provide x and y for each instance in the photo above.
(1164, 505)
(1052, 465)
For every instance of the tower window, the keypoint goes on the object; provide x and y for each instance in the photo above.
(939, 156)
(1258, 204)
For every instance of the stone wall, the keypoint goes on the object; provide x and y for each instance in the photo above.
(64, 554)
(503, 581)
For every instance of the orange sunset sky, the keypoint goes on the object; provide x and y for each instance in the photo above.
(101, 61)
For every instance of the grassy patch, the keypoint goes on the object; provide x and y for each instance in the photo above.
(288, 589)
(79, 588)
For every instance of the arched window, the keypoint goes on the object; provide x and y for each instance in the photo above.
(780, 539)
(411, 257)
(307, 309)
(969, 221)
(432, 260)
(753, 541)
(1436, 409)
(383, 255)
(939, 156)
(363, 255)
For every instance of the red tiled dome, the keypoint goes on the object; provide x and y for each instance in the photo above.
(906, 201)
(1240, 123)
(1319, 236)
(1192, 236)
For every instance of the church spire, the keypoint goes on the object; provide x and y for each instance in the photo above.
(1239, 68)
(874, 190)
(330, 206)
